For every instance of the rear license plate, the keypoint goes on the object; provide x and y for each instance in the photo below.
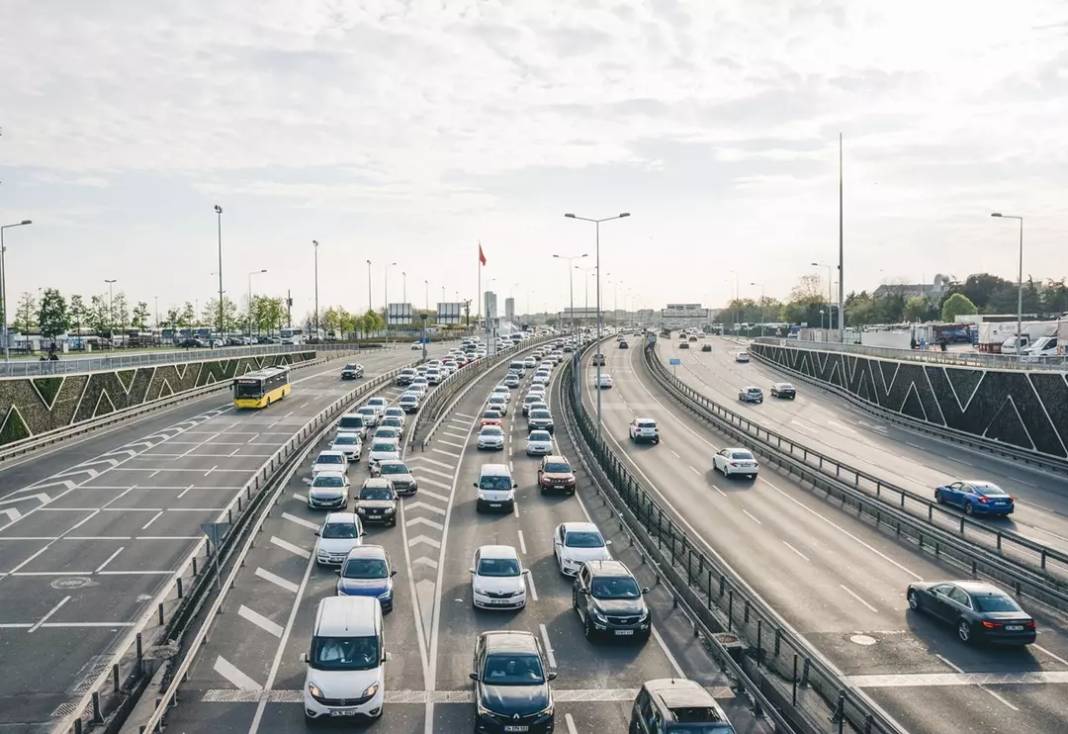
(1014, 627)
(494, 504)
(624, 633)
(516, 727)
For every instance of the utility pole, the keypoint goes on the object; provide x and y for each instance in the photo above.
(841, 251)
(222, 323)
(316, 244)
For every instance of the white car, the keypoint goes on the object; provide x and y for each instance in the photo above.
(340, 533)
(382, 449)
(416, 345)
(329, 490)
(386, 432)
(511, 381)
(539, 443)
(409, 402)
(491, 437)
(379, 404)
(530, 363)
(434, 376)
(498, 403)
(396, 411)
(530, 399)
(391, 421)
(496, 488)
(741, 357)
(497, 578)
(330, 460)
(541, 378)
(503, 391)
(348, 444)
(419, 386)
(644, 429)
(735, 461)
(352, 423)
(370, 415)
(538, 390)
(574, 543)
(604, 382)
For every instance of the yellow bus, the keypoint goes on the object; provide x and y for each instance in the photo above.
(260, 389)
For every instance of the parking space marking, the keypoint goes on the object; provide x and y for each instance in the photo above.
(260, 621)
(110, 558)
(230, 671)
(182, 493)
(276, 580)
(294, 549)
(49, 614)
(300, 521)
(154, 518)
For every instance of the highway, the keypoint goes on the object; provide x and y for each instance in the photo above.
(839, 582)
(249, 677)
(829, 423)
(102, 525)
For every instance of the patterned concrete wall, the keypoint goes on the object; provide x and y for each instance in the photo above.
(1027, 409)
(33, 405)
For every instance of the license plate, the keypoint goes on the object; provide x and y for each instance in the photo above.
(494, 504)
(624, 633)
(516, 727)
(1014, 627)
(343, 712)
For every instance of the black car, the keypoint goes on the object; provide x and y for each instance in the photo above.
(352, 371)
(193, 343)
(512, 691)
(623, 344)
(706, 347)
(609, 601)
(664, 703)
(783, 390)
(684, 345)
(377, 501)
(977, 610)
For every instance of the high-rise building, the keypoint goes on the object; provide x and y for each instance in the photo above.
(491, 307)
(509, 310)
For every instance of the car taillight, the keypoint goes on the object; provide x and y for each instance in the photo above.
(987, 624)
(1030, 624)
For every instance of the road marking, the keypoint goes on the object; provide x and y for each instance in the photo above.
(452, 443)
(182, 493)
(570, 724)
(924, 680)
(720, 491)
(423, 561)
(435, 462)
(425, 506)
(48, 616)
(1058, 658)
(675, 453)
(230, 672)
(856, 596)
(694, 470)
(752, 517)
(110, 558)
(464, 415)
(515, 508)
(529, 577)
(424, 521)
(453, 434)
(460, 696)
(434, 495)
(522, 543)
(453, 454)
(667, 653)
(294, 549)
(301, 497)
(209, 471)
(980, 685)
(548, 646)
(300, 521)
(260, 621)
(423, 470)
(423, 539)
(795, 550)
(154, 518)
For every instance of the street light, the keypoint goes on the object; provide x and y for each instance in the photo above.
(369, 306)
(1019, 288)
(404, 286)
(3, 283)
(597, 235)
(830, 294)
(737, 303)
(111, 310)
(570, 259)
(251, 273)
(218, 218)
(316, 244)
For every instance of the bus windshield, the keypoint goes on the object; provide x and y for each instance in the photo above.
(248, 388)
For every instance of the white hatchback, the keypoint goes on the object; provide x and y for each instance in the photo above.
(497, 578)
(330, 461)
(574, 543)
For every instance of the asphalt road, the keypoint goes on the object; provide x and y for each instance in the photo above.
(839, 582)
(100, 527)
(248, 678)
(830, 424)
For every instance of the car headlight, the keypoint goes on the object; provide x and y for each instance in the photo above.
(371, 690)
(314, 691)
(389, 511)
(480, 592)
(361, 510)
(599, 616)
(386, 594)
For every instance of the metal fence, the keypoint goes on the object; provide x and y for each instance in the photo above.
(955, 359)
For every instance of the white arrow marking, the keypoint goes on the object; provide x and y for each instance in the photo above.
(425, 506)
(423, 539)
(425, 562)
(423, 521)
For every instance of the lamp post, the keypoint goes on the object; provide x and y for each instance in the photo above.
(218, 219)
(385, 310)
(3, 283)
(251, 273)
(1019, 283)
(570, 260)
(762, 319)
(316, 247)
(404, 286)
(597, 264)
(111, 310)
(426, 295)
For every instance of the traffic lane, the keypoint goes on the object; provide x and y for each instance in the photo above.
(918, 463)
(908, 652)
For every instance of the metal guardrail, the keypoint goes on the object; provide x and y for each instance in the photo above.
(923, 508)
(804, 680)
(129, 668)
(955, 359)
(946, 545)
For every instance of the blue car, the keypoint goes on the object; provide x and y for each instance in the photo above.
(976, 497)
(367, 572)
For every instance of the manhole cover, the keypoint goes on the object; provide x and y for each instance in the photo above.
(71, 582)
(863, 640)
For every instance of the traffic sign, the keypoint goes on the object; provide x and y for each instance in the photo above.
(673, 361)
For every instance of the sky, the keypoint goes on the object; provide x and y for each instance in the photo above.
(408, 132)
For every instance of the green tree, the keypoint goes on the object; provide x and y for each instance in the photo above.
(25, 314)
(120, 312)
(916, 309)
(97, 315)
(210, 314)
(1055, 297)
(140, 318)
(955, 306)
(77, 312)
(187, 316)
(172, 317)
(52, 314)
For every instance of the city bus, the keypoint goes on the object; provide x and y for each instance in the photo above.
(260, 389)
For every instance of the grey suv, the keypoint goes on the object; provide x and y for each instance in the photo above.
(609, 601)
(676, 704)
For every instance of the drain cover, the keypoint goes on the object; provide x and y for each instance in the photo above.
(863, 640)
(71, 582)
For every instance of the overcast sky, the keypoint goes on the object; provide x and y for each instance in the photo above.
(409, 131)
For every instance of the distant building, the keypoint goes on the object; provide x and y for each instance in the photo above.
(683, 316)
(933, 291)
(509, 310)
(491, 307)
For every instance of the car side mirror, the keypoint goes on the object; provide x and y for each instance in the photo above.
(473, 676)
(304, 657)
(645, 590)
(387, 657)
(515, 485)
(392, 573)
(316, 533)
(474, 484)
(608, 542)
(552, 675)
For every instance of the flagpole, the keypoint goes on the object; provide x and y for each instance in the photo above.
(478, 295)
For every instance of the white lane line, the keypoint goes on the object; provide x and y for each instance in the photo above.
(424, 506)
(434, 483)
(960, 670)
(857, 596)
(675, 453)
(435, 462)
(425, 540)
(453, 434)
(515, 508)
(286, 545)
(237, 678)
(110, 558)
(153, 474)
(522, 543)
(529, 577)
(667, 653)
(720, 491)
(48, 616)
(421, 470)
(411, 523)
(795, 550)
(752, 517)
(155, 517)
(694, 470)
(301, 497)
(209, 471)
(300, 521)
(548, 646)
(182, 493)
(260, 621)
(1058, 658)
(452, 443)
(570, 724)
(453, 454)
(464, 415)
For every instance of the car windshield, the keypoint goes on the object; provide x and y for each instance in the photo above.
(376, 493)
(350, 366)
(392, 421)
(557, 467)
(367, 410)
(540, 414)
(995, 603)
(492, 414)
(584, 539)
(384, 446)
(539, 436)
(365, 568)
(697, 728)
(395, 469)
(495, 481)
(743, 455)
(330, 459)
(351, 421)
(498, 567)
(327, 480)
(346, 440)
(513, 670)
(345, 653)
(491, 431)
(339, 530)
(622, 587)
(646, 424)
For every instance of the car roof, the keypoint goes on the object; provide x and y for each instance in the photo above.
(510, 641)
(330, 473)
(677, 693)
(750, 387)
(329, 452)
(495, 469)
(376, 482)
(498, 551)
(580, 527)
(348, 616)
(391, 462)
(554, 458)
(340, 517)
(608, 568)
(646, 420)
(980, 588)
(368, 551)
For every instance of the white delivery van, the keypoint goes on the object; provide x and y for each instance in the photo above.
(496, 489)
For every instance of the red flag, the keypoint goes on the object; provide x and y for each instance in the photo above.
(481, 255)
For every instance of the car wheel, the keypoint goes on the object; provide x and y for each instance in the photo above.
(939, 498)
(968, 509)
(964, 631)
(587, 629)
(914, 601)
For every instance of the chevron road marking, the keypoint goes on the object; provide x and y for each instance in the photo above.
(423, 539)
(423, 521)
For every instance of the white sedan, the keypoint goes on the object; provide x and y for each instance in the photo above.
(539, 443)
(330, 461)
(574, 543)
(497, 578)
(735, 461)
(604, 382)
(349, 444)
(491, 437)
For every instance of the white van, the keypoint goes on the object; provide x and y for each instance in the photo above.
(1044, 346)
(496, 490)
(346, 675)
(518, 366)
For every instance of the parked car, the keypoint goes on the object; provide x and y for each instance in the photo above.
(980, 612)
(609, 601)
(497, 578)
(783, 390)
(976, 497)
(735, 461)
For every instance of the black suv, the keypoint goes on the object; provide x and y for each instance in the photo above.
(609, 601)
(662, 703)
(377, 501)
(511, 684)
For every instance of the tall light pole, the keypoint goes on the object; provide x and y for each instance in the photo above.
(830, 294)
(597, 264)
(426, 295)
(762, 319)
(111, 310)
(316, 246)
(218, 220)
(1019, 283)
(251, 273)
(3, 283)
(404, 286)
(570, 260)
(841, 253)
(370, 307)
(385, 311)
(157, 314)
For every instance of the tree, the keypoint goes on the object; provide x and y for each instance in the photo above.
(120, 313)
(97, 316)
(956, 306)
(52, 315)
(210, 314)
(77, 313)
(916, 309)
(139, 320)
(187, 316)
(1055, 297)
(25, 314)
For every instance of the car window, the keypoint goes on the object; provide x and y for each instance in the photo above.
(495, 482)
(498, 567)
(491, 431)
(584, 539)
(539, 436)
(513, 670)
(557, 467)
(324, 480)
(345, 440)
(743, 455)
(384, 446)
(330, 459)
(376, 493)
(960, 597)
(345, 653)
(620, 587)
(394, 469)
(334, 530)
